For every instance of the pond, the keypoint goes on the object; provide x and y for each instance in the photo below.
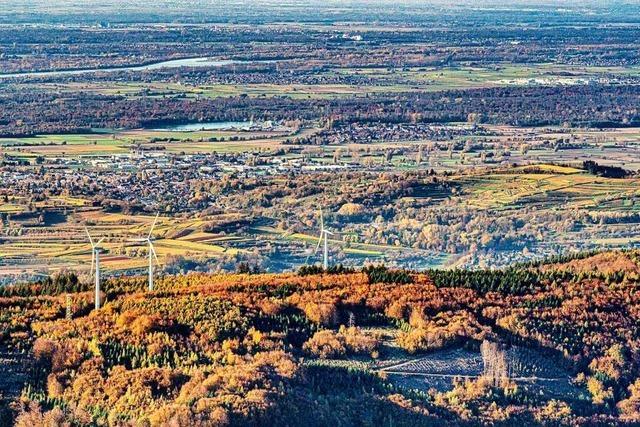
(191, 127)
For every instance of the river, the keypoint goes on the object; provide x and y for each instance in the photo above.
(175, 63)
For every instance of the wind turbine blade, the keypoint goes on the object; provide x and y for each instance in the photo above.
(315, 251)
(93, 260)
(89, 236)
(153, 225)
(99, 241)
(318, 245)
(153, 251)
(306, 261)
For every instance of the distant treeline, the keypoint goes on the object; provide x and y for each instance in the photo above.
(605, 171)
(52, 285)
(592, 106)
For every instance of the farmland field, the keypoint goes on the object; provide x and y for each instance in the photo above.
(475, 182)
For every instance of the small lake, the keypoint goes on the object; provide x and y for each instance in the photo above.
(194, 127)
(175, 63)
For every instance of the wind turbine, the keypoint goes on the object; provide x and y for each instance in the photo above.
(95, 260)
(152, 251)
(324, 235)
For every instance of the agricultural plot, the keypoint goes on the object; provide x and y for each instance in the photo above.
(379, 80)
(515, 195)
(576, 190)
(65, 245)
(46, 249)
(122, 143)
(469, 77)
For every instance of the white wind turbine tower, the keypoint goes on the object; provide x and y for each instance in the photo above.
(95, 260)
(324, 233)
(152, 251)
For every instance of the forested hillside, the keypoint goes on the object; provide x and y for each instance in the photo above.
(277, 349)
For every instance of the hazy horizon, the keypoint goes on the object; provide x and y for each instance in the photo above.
(74, 11)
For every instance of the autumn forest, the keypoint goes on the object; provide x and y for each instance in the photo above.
(326, 346)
